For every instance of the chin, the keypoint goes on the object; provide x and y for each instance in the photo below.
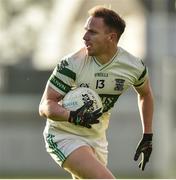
(90, 53)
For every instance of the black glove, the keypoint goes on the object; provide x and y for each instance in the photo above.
(144, 147)
(84, 117)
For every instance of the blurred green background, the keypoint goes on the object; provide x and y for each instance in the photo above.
(35, 34)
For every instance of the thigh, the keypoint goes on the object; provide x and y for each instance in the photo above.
(83, 163)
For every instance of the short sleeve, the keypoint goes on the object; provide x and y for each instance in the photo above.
(63, 77)
(143, 75)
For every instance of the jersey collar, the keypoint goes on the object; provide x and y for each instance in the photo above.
(108, 63)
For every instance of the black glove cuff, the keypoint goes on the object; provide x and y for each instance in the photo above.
(147, 137)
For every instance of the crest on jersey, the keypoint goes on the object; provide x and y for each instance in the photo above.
(119, 84)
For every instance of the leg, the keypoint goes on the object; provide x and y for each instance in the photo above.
(83, 164)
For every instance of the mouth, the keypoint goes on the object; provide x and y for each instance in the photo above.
(88, 45)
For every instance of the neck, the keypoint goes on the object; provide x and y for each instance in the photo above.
(106, 57)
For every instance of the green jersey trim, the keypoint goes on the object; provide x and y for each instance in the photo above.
(67, 72)
(96, 61)
(143, 73)
(107, 64)
(60, 84)
(139, 84)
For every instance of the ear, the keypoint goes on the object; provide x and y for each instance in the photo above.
(113, 36)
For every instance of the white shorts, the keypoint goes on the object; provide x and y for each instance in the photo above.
(60, 144)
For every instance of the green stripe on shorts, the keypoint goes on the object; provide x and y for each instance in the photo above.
(53, 146)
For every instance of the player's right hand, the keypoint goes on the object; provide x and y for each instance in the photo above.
(84, 117)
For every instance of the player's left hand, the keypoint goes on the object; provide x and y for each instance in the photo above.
(145, 148)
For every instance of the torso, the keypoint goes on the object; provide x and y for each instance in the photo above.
(109, 80)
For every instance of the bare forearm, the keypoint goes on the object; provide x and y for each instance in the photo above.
(53, 110)
(145, 104)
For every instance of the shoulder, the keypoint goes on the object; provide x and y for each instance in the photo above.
(130, 62)
(126, 58)
(77, 56)
(73, 60)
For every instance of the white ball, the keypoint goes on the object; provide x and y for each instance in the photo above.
(76, 98)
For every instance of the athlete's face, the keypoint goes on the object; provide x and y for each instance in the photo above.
(96, 37)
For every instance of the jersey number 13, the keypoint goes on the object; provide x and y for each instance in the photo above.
(100, 84)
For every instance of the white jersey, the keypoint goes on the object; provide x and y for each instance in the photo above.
(109, 80)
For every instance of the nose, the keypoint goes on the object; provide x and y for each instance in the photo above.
(85, 37)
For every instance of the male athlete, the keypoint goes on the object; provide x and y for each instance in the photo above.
(77, 140)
